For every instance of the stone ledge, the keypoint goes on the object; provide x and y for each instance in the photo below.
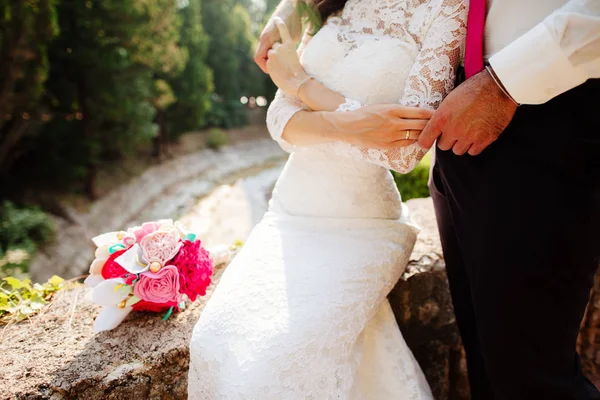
(56, 355)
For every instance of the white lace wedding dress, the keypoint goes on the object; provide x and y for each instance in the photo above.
(301, 312)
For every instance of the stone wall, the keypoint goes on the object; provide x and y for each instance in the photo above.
(142, 199)
(423, 308)
(56, 355)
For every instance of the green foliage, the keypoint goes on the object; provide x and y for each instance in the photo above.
(88, 82)
(27, 27)
(216, 138)
(194, 85)
(22, 230)
(414, 184)
(20, 299)
(227, 114)
(229, 28)
(310, 15)
(251, 78)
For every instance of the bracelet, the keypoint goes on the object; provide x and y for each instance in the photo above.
(300, 85)
(499, 84)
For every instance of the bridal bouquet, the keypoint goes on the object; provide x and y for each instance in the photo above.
(153, 267)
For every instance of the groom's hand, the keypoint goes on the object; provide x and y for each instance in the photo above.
(470, 118)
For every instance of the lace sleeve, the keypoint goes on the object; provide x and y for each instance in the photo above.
(283, 107)
(281, 110)
(434, 71)
(430, 80)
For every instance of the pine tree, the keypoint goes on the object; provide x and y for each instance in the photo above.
(26, 28)
(194, 85)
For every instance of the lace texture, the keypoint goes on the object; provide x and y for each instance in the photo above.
(302, 311)
(281, 110)
(400, 159)
(402, 52)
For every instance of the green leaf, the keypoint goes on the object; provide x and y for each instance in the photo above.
(37, 302)
(55, 280)
(125, 289)
(13, 283)
(132, 300)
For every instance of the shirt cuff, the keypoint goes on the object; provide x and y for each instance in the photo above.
(533, 69)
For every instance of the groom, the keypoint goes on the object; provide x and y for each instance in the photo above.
(519, 216)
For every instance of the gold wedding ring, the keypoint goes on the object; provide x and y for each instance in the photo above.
(407, 135)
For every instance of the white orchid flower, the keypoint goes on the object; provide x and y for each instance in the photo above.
(93, 280)
(106, 293)
(133, 260)
(220, 254)
(102, 252)
(110, 318)
(106, 239)
(95, 276)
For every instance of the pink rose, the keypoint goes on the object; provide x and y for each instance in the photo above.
(146, 229)
(159, 287)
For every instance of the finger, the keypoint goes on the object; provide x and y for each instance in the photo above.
(283, 30)
(412, 112)
(275, 46)
(414, 124)
(461, 148)
(408, 134)
(271, 66)
(402, 143)
(260, 57)
(270, 54)
(476, 150)
(445, 142)
(432, 131)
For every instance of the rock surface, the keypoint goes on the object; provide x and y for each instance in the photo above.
(423, 308)
(57, 356)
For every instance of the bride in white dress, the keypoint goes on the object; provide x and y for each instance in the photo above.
(301, 312)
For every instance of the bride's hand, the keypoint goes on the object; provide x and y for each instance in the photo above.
(283, 62)
(381, 126)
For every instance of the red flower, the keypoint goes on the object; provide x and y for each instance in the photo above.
(129, 279)
(195, 269)
(111, 269)
(153, 307)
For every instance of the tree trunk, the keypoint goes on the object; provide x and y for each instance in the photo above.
(9, 71)
(10, 134)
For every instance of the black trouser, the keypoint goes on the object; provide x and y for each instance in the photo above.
(520, 229)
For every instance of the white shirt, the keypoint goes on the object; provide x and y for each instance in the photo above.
(542, 48)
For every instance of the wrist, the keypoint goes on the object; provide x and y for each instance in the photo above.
(335, 125)
(304, 88)
(498, 83)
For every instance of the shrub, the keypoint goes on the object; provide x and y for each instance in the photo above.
(22, 299)
(22, 230)
(227, 114)
(414, 184)
(216, 138)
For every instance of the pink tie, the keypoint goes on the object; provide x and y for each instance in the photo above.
(474, 44)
